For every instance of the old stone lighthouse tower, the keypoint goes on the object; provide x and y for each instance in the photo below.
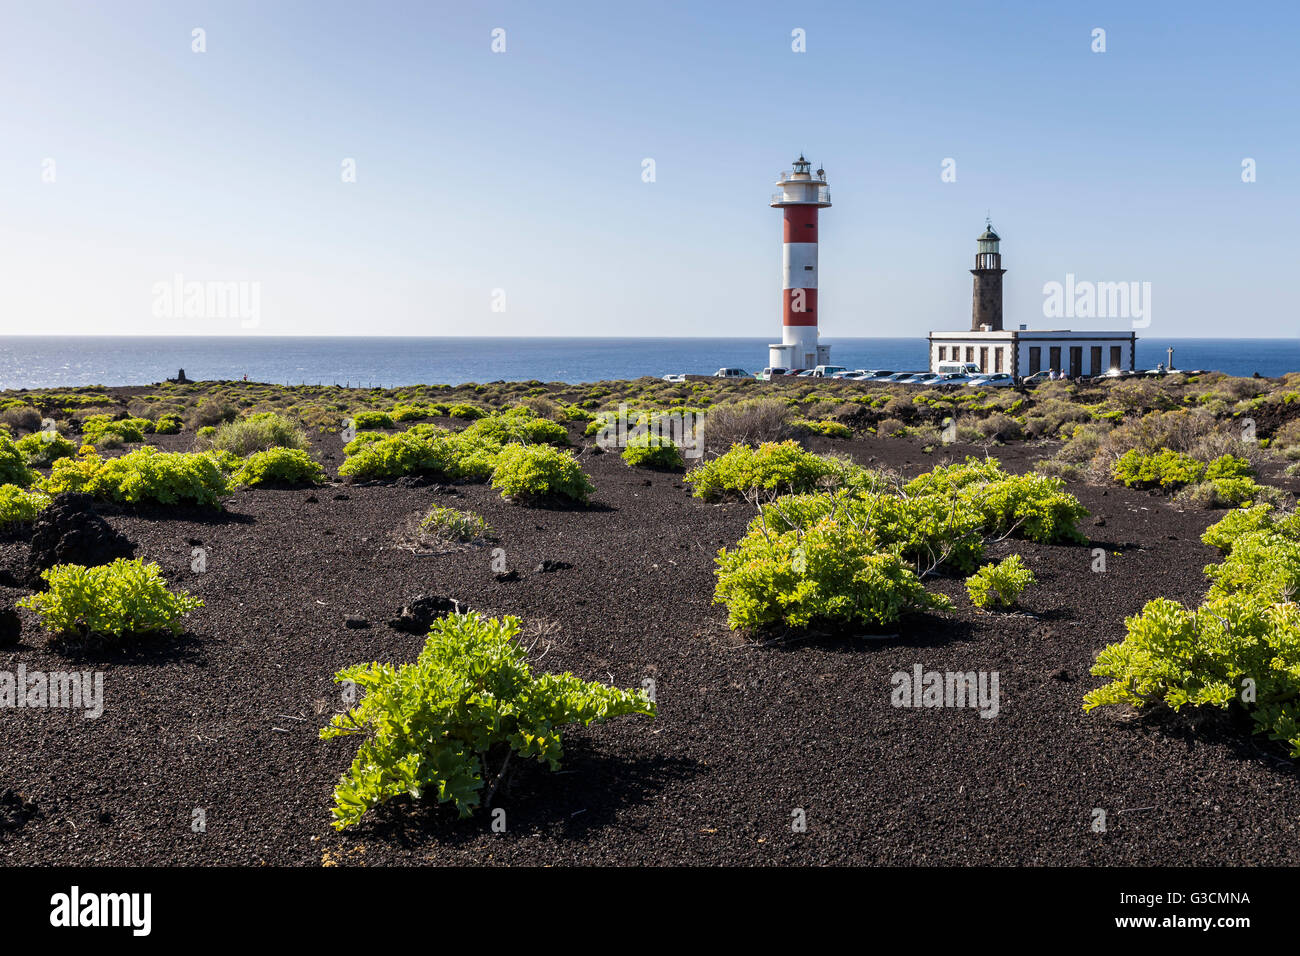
(986, 301)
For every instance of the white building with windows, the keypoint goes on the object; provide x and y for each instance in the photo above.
(1024, 351)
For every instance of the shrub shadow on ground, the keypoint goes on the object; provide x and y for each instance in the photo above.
(914, 630)
(143, 650)
(582, 798)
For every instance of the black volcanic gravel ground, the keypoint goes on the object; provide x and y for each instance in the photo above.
(746, 732)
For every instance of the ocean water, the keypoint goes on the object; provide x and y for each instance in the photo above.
(47, 361)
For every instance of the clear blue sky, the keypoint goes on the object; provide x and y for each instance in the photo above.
(521, 171)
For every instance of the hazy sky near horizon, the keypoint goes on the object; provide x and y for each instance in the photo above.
(127, 159)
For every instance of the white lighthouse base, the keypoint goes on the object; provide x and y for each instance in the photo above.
(800, 354)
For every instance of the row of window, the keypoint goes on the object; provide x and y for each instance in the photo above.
(980, 354)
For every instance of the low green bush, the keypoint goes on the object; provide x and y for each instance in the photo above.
(526, 472)
(1227, 493)
(517, 425)
(772, 468)
(19, 506)
(448, 456)
(999, 584)
(1264, 564)
(410, 413)
(283, 467)
(1031, 505)
(450, 524)
(372, 420)
(1236, 651)
(126, 597)
(99, 428)
(361, 440)
(1224, 533)
(13, 463)
(468, 701)
(144, 475)
(649, 450)
(461, 410)
(829, 429)
(254, 433)
(169, 424)
(1164, 469)
(45, 448)
(830, 573)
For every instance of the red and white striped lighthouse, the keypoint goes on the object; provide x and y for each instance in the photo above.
(802, 194)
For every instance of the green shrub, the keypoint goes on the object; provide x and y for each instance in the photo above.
(539, 471)
(772, 467)
(830, 573)
(254, 433)
(1210, 656)
(449, 524)
(1227, 493)
(999, 584)
(145, 474)
(112, 600)
(13, 464)
(1223, 534)
(410, 413)
(1031, 505)
(465, 411)
(284, 467)
(19, 506)
(1261, 563)
(1228, 466)
(927, 531)
(361, 440)
(169, 424)
(517, 425)
(470, 699)
(372, 420)
(829, 429)
(98, 428)
(408, 453)
(649, 450)
(1164, 469)
(44, 448)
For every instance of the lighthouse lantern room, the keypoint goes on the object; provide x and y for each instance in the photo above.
(802, 193)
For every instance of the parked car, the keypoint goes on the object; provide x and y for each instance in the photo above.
(795, 371)
(677, 377)
(996, 380)
(958, 368)
(731, 373)
(893, 378)
(1043, 376)
(808, 373)
(827, 371)
(875, 374)
(913, 378)
(770, 373)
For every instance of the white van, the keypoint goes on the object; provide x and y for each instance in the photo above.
(826, 371)
(731, 373)
(958, 368)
